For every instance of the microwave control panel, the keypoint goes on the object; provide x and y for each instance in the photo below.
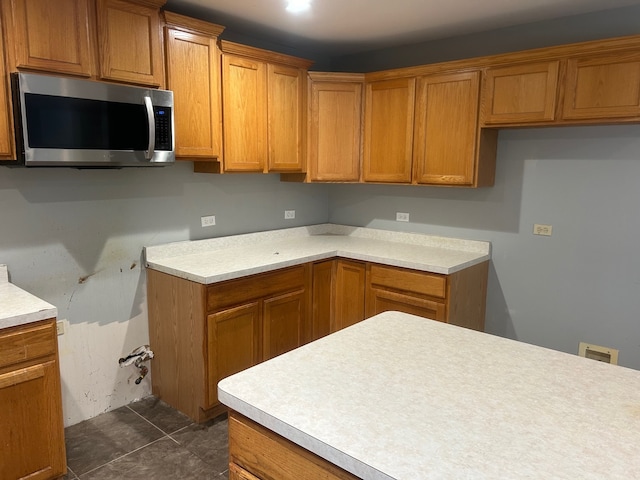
(162, 117)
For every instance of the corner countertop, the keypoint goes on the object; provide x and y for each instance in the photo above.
(18, 307)
(398, 397)
(224, 258)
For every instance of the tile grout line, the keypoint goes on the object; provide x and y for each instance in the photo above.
(149, 422)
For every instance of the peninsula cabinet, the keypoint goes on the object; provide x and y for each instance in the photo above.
(191, 47)
(201, 334)
(335, 127)
(32, 434)
(264, 103)
(115, 40)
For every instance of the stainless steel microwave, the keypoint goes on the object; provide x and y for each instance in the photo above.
(68, 122)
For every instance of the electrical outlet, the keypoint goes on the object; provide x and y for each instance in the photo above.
(402, 217)
(60, 327)
(289, 214)
(540, 229)
(208, 220)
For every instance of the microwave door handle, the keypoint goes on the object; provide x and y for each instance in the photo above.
(152, 128)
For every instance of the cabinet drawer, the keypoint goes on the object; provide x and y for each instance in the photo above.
(244, 289)
(406, 280)
(20, 344)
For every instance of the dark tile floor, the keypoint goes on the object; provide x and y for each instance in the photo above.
(147, 440)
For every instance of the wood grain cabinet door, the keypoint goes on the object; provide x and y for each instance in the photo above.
(601, 87)
(388, 130)
(335, 127)
(7, 151)
(244, 103)
(446, 128)
(520, 93)
(350, 299)
(197, 104)
(233, 344)
(286, 114)
(283, 323)
(130, 42)
(51, 36)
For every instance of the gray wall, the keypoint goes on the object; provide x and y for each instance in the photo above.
(580, 284)
(75, 238)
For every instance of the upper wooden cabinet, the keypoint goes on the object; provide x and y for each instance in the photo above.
(130, 41)
(602, 86)
(520, 93)
(388, 130)
(7, 151)
(334, 127)
(446, 127)
(113, 40)
(191, 47)
(264, 105)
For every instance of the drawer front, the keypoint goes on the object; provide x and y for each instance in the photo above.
(245, 289)
(19, 344)
(406, 280)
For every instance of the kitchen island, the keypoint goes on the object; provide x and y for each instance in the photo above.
(398, 397)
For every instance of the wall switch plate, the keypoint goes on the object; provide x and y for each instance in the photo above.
(402, 217)
(208, 220)
(596, 352)
(60, 327)
(289, 214)
(540, 229)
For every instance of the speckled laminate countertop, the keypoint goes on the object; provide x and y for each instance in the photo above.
(18, 307)
(400, 397)
(218, 259)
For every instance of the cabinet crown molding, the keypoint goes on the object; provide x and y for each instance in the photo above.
(189, 24)
(264, 55)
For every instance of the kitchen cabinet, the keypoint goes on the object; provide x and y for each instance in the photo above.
(335, 127)
(446, 127)
(602, 86)
(201, 334)
(388, 130)
(350, 293)
(32, 434)
(264, 104)
(193, 74)
(116, 40)
(521, 93)
(7, 150)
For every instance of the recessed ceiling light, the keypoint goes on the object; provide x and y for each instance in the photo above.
(297, 6)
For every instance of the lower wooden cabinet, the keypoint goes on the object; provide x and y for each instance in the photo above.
(32, 432)
(201, 334)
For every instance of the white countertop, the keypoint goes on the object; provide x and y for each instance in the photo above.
(400, 397)
(18, 307)
(218, 259)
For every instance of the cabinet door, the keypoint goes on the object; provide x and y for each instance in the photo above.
(130, 43)
(384, 300)
(335, 126)
(286, 114)
(388, 130)
(232, 344)
(244, 102)
(445, 129)
(520, 94)
(350, 298)
(197, 105)
(49, 36)
(601, 87)
(32, 435)
(283, 323)
(321, 298)
(7, 151)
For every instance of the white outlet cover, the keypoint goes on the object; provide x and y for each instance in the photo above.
(289, 214)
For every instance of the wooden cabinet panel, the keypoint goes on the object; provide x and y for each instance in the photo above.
(233, 344)
(32, 434)
(379, 301)
(520, 94)
(286, 114)
(322, 298)
(130, 42)
(197, 104)
(388, 130)
(445, 128)
(423, 283)
(601, 87)
(335, 125)
(244, 104)
(283, 323)
(7, 151)
(350, 293)
(49, 36)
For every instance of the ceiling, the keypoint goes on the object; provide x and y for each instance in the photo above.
(359, 25)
